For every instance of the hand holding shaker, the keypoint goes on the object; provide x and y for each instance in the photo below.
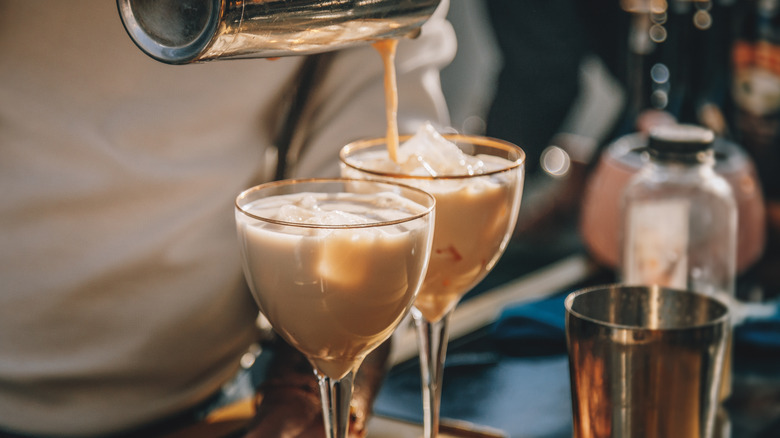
(645, 361)
(187, 31)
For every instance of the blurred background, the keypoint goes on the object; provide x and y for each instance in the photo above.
(574, 82)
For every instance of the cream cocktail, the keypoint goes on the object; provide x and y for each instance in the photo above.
(477, 200)
(477, 183)
(334, 264)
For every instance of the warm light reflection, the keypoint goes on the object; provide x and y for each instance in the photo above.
(555, 161)
(659, 99)
(474, 125)
(702, 20)
(644, 6)
(657, 33)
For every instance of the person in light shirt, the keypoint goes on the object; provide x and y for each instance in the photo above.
(122, 301)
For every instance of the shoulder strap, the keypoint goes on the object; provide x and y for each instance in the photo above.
(290, 134)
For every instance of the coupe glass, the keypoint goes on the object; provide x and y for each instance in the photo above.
(475, 217)
(335, 266)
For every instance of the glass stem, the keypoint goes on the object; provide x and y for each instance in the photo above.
(336, 396)
(432, 340)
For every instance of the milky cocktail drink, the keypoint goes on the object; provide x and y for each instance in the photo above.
(477, 183)
(335, 266)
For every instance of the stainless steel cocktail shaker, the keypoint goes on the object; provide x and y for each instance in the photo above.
(187, 31)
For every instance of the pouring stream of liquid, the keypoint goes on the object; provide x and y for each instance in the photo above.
(386, 49)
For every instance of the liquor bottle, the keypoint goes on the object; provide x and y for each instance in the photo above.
(756, 85)
(679, 225)
(755, 70)
(652, 70)
(676, 64)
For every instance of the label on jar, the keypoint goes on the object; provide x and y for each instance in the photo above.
(656, 250)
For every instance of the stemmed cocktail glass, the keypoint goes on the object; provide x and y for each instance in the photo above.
(335, 266)
(476, 212)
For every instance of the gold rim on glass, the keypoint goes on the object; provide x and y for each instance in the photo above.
(427, 209)
(712, 300)
(517, 160)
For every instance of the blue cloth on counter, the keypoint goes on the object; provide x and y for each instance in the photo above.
(539, 328)
(759, 336)
(532, 329)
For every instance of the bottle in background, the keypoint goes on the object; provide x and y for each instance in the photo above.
(755, 91)
(680, 216)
